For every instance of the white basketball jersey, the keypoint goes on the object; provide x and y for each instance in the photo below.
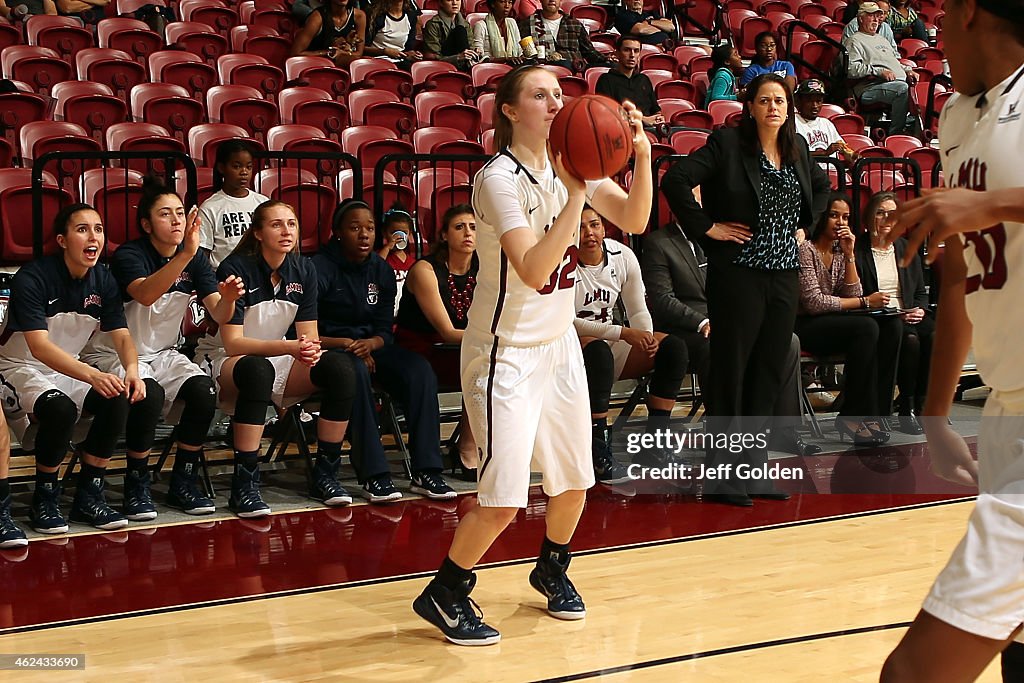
(981, 145)
(599, 287)
(507, 195)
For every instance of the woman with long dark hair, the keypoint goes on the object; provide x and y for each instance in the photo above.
(334, 30)
(391, 31)
(880, 271)
(759, 186)
(830, 288)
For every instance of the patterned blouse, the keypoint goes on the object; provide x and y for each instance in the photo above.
(773, 246)
(821, 289)
(898, 22)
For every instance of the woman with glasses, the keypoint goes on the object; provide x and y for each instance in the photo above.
(766, 61)
(830, 294)
(880, 272)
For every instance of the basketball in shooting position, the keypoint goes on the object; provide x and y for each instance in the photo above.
(593, 135)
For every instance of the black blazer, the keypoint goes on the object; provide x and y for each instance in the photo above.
(730, 183)
(674, 280)
(912, 291)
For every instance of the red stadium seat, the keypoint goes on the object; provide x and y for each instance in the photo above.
(660, 76)
(465, 117)
(486, 72)
(243, 106)
(685, 141)
(115, 193)
(278, 19)
(114, 68)
(90, 105)
(593, 74)
(683, 90)
(213, 13)
(487, 141)
(858, 141)
(430, 182)
(63, 34)
(185, 69)
(720, 110)
(275, 49)
(167, 105)
(314, 201)
(927, 158)
(9, 35)
(830, 110)
(17, 110)
(670, 106)
(749, 29)
(424, 71)
(684, 54)
(136, 136)
(595, 13)
(16, 205)
(251, 70)
(426, 138)
(362, 69)
(130, 6)
(40, 137)
(819, 54)
(352, 139)
(848, 124)
(319, 72)
(40, 67)
(240, 34)
(130, 35)
(901, 145)
(426, 102)
(560, 72)
(370, 153)
(882, 179)
(300, 138)
(6, 154)
(391, 192)
(313, 106)
(197, 38)
(203, 140)
(359, 100)
(485, 103)
(397, 116)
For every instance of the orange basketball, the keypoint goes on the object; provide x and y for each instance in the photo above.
(593, 136)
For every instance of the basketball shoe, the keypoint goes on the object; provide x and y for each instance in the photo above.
(550, 579)
(455, 613)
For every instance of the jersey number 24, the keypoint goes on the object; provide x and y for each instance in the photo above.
(989, 248)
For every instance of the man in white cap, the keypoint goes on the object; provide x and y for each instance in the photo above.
(883, 79)
(884, 29)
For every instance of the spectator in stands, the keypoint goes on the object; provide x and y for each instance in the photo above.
(884, 30)
(15, 10)
(89, 11)
(57, 303)
(905, 22)
(496, 38)
(673, 271)
(391, 31)
(11, 536)
(446, 36)
(883, 79)
(334, 30)
(256, 366)
(766, 61)
(879, 270)
(396, 237)
(850, 13)
(357, 315)
(625, 81)
(726, 64)
(433, 315)
(227, 214)
(649, 27)
(564, 39)
(822, 137)
(829, 286)
(609, 272)
(159, 274)
(759, 186)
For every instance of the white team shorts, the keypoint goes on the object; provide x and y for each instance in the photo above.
(527, 404)
(211, 365)
(169, 368)
(981, 589)
(20, 388)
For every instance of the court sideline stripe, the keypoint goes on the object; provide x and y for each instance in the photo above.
(723, 651)
(417, 575)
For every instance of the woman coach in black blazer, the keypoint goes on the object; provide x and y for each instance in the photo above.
(918, 320)
(758, 186)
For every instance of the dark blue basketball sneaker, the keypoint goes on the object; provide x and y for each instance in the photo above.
(455, 613)
(550, 580)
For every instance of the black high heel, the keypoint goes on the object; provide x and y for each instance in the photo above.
(877, 437)
(459, 470)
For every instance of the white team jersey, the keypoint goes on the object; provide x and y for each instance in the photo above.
(507, 195)
(598, 289)
(981, 151)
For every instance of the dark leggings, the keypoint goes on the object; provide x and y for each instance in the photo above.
(56, 415)
(600, 366)
(915, 361)
(870, 347)
(254, 378)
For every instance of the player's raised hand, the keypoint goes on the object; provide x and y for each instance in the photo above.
(951, 458)
(190, 245)
(232, 288)
(641, 143)
(938, 214)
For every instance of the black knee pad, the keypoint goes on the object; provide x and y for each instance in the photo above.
(1012, 663)
(143, 415)
(670, 364)
(200, 402)
(334, 376)
(254, 378)
(600, 365)
(55, 414)
(108, 422)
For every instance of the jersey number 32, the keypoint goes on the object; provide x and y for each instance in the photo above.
(564, 276)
